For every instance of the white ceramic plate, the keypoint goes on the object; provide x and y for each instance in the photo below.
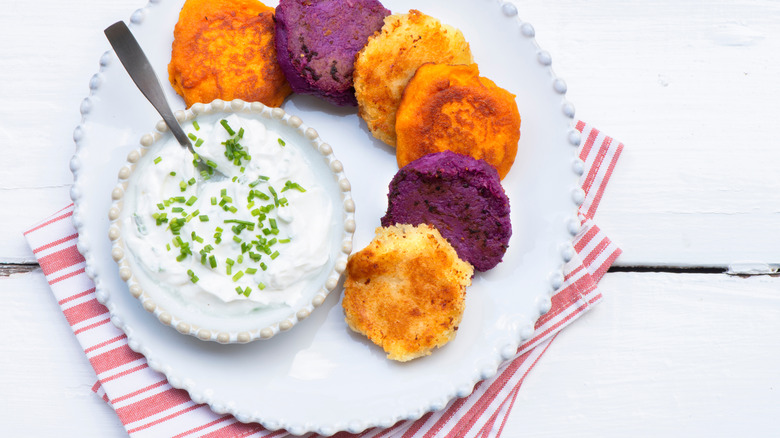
(320, 376)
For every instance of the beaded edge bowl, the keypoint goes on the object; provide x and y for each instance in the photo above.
(182, 323)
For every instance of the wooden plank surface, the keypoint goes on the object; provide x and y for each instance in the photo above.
(662, 355)
(685, 85)
(688, 86)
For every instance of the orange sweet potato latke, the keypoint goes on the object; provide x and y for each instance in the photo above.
(450, 107)
(224, 49)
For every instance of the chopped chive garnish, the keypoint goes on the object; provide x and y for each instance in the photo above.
(261, 195)
(197, 238)
(211, 164)
(192, 136)
(157, 160)
(259, 179)
(195, 125)
(239, 291)
(238, 275)
(227, 127)
(160, 218)
(274, 255)
(213, 200)
(198, 142)
(260, 286)
(251, 271)
(191, 181)
(203, 218)
(263, 266)
(177, 209)
(237, 239)
(172, 173)
(240, 132)
(284, 240)
(238, 221)
(289, 185)
(191, 201)
(168, 246)
(274, 194)
(183, 186)
(161, 206)
(229, 261)
(194, 278)
(272, 222)
(281, 142)
(213, 261)
(240, 258)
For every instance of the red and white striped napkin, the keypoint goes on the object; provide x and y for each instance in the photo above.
(150, 407)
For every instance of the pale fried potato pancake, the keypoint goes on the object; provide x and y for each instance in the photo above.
(452, 108)
(390, 59)
(224, 49)
(406, 291)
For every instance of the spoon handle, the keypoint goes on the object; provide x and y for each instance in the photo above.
(137, 65)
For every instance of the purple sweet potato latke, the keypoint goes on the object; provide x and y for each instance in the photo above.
(317, 40)
(462, 197)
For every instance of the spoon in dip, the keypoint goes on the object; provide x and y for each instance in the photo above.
(137, 65)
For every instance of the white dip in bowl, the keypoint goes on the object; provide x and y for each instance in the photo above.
(242, 243)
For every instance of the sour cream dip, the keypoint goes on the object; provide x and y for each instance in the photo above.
(246, 227)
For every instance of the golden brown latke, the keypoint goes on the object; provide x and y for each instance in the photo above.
(391, 57)
(406, 291)
(450, 107)
(224, 49)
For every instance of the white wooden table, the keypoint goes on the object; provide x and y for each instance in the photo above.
(687, 340)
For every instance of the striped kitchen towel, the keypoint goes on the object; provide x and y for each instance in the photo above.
(149, 406)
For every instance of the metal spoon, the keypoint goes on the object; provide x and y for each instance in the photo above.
(137, 65)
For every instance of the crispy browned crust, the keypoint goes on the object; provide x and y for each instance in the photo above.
(406, 291)
(450, 107)
(391, 57)
(224, 49)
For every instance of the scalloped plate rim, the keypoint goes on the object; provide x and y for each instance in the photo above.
(385, 419)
